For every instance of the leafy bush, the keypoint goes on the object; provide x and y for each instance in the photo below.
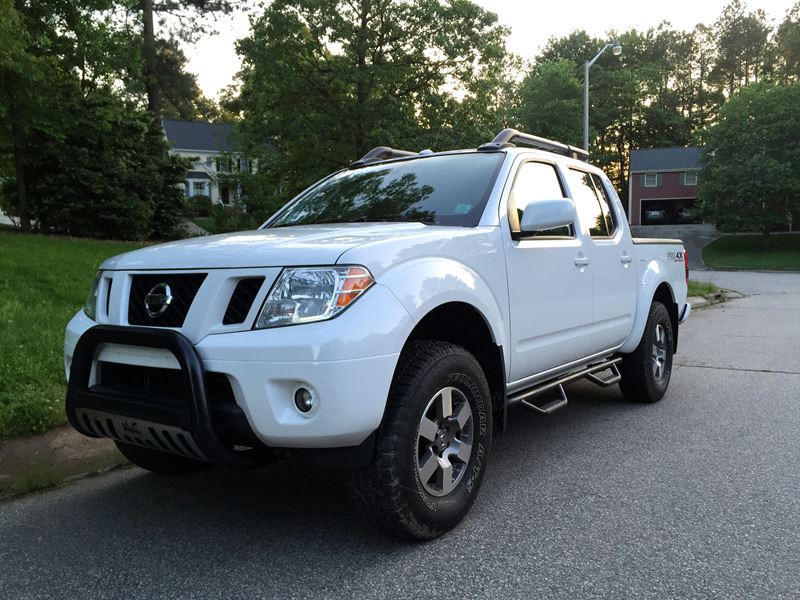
(200, 205)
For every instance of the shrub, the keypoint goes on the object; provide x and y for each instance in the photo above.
(200, 205)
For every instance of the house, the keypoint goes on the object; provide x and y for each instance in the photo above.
(663, 185)
(211, 148)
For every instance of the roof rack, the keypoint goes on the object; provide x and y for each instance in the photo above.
(507, 137)
(381, 153)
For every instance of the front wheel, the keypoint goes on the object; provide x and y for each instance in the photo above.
(646, 371)
(433, 446)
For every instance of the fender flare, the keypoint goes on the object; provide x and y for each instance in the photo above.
(653, 276)
(425, 284)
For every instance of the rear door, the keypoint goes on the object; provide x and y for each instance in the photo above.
(613, 271)
(549, 279)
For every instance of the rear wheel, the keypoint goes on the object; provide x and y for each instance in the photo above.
(646, 371)
(160, 462)
(432, 447)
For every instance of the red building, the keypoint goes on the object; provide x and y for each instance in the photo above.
(663, 186)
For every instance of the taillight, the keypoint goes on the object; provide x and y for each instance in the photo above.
(686, 264)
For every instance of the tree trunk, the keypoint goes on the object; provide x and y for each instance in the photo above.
(150, 62)
(18, 143)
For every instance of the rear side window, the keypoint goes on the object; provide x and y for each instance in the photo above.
(605, 204)
(535, 181)
(587, 203)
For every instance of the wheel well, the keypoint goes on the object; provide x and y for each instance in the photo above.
(462, 324)
(664, 295)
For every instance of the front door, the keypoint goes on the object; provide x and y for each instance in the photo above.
(549, 280)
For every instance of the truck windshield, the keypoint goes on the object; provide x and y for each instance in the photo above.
(448, 189)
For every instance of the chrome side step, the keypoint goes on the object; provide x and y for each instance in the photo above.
(526, 397)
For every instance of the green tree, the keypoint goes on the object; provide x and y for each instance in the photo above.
(179, 96)
(190, 17)
(751, 177)
(45, 42)
(551, 102)
(742, 46)
(83, 163)
(106, 174)
(323, 81)
(787, 47)
(634, 99)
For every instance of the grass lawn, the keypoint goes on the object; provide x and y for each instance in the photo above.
(701, 288)
(776, 252)
(44, 280)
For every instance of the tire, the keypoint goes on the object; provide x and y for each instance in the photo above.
(646, 371)
(402, 490)
(159, 462)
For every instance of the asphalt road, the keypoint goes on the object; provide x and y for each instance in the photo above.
(696, 496)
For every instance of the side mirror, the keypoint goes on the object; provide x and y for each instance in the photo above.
(541, 215)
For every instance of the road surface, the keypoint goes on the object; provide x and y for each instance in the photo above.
(696, 496)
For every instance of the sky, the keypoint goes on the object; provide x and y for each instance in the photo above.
(532, 23)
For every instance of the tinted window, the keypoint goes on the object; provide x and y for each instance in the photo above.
(535, 181)
(605, 204)
(439, 190)
(586, 203)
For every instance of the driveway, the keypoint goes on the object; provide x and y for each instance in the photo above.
(694, 237)
(696, 496)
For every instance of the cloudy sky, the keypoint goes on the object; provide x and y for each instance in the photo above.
(532, 22)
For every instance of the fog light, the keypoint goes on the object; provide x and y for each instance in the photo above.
(303, 400)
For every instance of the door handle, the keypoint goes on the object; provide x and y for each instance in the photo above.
(581, 261)
(625, 258)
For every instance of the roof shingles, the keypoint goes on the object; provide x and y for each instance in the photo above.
(194, 135)
(666, 159)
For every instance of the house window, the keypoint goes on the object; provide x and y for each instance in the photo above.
(690, 178)
(224, 165)
(198, 188)
(651, 180)
(244, 165)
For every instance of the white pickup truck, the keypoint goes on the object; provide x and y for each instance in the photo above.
(387, 318)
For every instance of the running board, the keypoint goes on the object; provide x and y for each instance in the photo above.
(525, 397)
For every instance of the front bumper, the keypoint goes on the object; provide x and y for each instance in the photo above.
(347, 363)
(184, 428)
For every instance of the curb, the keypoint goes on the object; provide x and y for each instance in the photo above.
(717, 297)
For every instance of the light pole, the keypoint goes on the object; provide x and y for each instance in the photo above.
(616, 49)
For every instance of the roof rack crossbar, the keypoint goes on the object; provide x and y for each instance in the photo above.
(507, 137)
(381, 153)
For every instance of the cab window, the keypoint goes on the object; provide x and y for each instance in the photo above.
(587, 203)
(535, 181)
(605, 204)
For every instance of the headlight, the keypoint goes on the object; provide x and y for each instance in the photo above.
(305, 295)
(90, 308)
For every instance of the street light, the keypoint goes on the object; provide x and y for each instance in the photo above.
(616, 50)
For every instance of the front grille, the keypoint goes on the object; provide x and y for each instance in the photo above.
(167, 386)
(241, 300)
(183, 288)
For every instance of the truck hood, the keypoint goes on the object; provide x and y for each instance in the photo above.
(279, 247)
